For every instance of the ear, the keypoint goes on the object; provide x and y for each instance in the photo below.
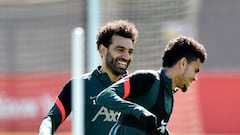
(183, 62)
(102, 50)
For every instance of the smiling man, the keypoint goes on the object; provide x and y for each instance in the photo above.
(115, 43)
(145, 98)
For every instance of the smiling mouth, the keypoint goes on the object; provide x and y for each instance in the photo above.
(122, 64)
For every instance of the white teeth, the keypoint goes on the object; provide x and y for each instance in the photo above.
(121, 62)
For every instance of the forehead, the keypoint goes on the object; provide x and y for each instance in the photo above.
(121, 41)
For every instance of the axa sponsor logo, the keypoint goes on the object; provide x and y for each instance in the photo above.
(109, 115)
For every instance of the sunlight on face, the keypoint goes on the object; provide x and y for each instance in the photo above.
(190, 74)
(119, 55)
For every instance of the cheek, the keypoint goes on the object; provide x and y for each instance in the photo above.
(188, 77)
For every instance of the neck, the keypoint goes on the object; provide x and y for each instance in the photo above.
(170, 73)
(112, 76)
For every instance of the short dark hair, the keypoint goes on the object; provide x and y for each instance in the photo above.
(180, 47)
(122, 28)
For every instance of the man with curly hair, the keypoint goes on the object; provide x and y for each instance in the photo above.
(115, 43)
(145, 97)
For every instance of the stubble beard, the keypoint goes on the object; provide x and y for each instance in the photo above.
(112, 65)
(184, 88)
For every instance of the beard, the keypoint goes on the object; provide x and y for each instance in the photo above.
(111, 63)
(184, 88)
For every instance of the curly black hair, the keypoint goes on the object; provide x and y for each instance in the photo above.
(180, 47)
(122, 28)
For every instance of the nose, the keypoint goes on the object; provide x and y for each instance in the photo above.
(127, 56)
(195, 78)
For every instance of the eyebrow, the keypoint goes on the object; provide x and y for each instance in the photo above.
(122, 47)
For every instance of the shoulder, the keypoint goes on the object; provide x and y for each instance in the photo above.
(87, 75)
(146, 73)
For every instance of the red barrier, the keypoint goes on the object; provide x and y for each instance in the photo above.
(220, 102)
(26, 98)
(211, 105)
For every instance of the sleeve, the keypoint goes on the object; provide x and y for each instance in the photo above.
(116, 96)
(137, 84)
(61, 108)
(46, 127)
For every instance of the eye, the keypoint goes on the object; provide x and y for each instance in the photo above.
(130, 52)
(197, 70)
(120, 49)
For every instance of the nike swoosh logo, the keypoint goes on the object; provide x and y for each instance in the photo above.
(163, 123)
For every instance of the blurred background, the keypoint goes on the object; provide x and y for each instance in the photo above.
(35, 57)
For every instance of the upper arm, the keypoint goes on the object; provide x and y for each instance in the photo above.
(135, 84)
(132, 85)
